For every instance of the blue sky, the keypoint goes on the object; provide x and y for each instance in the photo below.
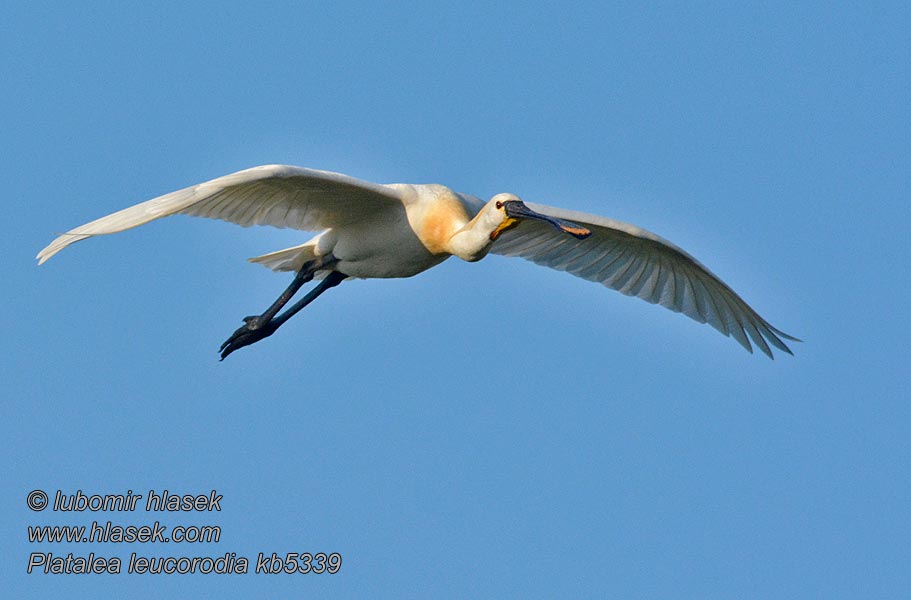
(481, 430)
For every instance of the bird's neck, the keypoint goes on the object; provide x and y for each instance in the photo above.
(445, 225)
(472, 242)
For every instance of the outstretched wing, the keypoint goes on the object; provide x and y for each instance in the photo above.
(638, 263)
(277, 195)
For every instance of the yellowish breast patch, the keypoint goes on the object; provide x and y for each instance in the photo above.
(442, 219)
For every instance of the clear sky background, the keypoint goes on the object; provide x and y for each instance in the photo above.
(481, 430)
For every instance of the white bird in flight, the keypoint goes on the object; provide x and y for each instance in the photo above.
(373, 230)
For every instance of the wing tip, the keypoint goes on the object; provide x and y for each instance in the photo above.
(48, 251)
(774, 336)
(61, 242)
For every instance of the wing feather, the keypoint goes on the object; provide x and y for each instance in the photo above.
(639, 263)
(276, 195)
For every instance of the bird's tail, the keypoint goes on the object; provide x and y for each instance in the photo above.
(289, 259)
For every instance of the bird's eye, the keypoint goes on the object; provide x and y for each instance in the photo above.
(499, 204)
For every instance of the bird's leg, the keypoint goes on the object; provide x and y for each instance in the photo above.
(252, 329)
(246, 335)
(300, 278)
(332, 279)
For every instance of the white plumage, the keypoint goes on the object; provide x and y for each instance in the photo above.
(371, 230)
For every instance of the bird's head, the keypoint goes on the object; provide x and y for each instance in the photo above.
(505, 211)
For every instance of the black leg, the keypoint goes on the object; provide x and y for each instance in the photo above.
(300, 278)
(332, 279)
(262, 327)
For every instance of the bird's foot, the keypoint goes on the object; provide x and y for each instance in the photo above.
(254, 329)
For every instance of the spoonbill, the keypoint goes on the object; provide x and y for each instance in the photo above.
(373, 230)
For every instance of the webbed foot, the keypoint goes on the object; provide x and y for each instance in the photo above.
(253, 330)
